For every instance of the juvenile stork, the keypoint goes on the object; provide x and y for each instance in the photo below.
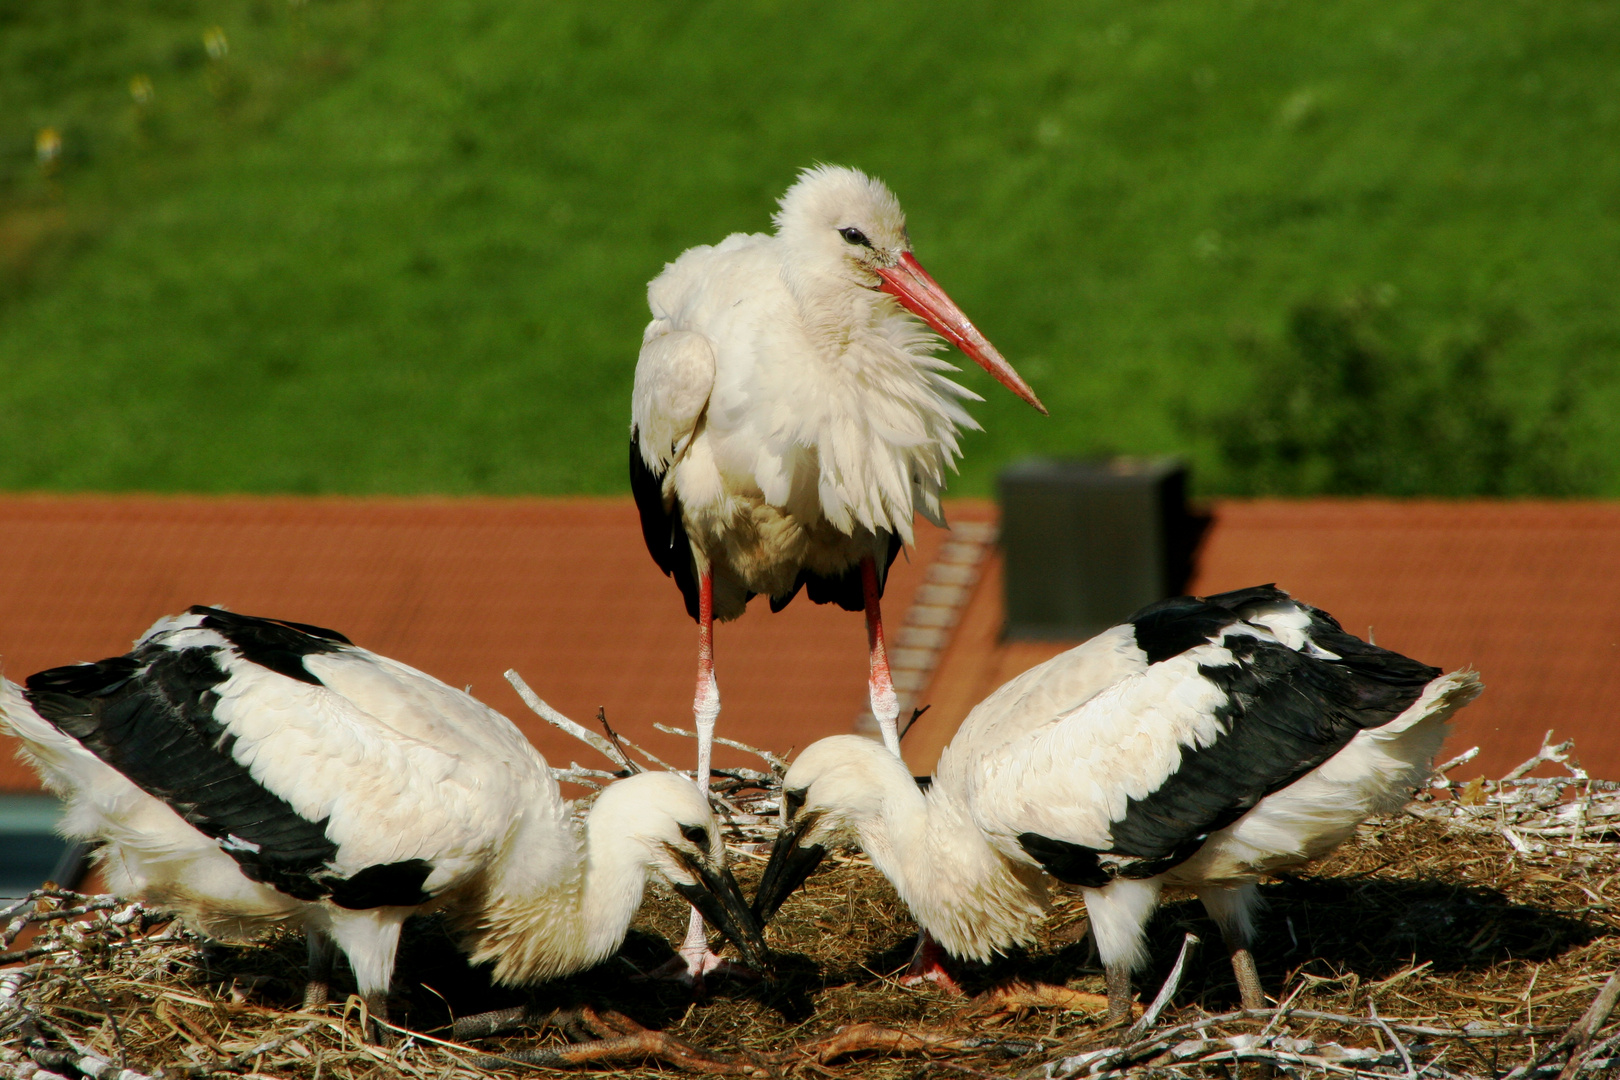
(1201, 744)
(250, 772)
(789, 418)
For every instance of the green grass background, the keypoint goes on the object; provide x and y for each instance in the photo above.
(402, 245)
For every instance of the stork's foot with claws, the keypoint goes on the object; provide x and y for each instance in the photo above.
(695, 964)
(931, 963)
(599, 1038)
(697, 970)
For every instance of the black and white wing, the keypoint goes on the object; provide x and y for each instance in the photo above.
(674, 378)
(324, 770)
(1226, 700)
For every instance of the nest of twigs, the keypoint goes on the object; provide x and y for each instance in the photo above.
(1473, 934)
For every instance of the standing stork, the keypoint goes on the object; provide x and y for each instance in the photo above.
(250, 772)
(1202, 744)
(789, 418)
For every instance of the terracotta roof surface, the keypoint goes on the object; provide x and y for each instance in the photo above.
(1526, 592)
(563, 591)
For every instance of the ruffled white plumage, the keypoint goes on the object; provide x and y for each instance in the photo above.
(873, 425)
(394, 766)
(802, 418)
(1052, 764)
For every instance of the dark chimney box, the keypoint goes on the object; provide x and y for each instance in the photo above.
(1086, 543)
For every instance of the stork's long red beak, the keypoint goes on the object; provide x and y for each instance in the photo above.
(912, 286)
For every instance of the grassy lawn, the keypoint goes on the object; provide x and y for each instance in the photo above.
(401, 245)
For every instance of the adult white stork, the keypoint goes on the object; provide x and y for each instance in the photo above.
(1201, 744)
(789, 418)
(250, 772)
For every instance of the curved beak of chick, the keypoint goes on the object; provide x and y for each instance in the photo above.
(909, 283)
(791, 862)
(719, 899)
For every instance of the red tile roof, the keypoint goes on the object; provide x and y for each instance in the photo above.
(563, 591)
(1527, 592)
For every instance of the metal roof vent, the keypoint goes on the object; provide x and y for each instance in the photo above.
(1087, 543)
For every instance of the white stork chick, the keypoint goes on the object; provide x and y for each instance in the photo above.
(1202, 744)
(789, 418)
(249, 773)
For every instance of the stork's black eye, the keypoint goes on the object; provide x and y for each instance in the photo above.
(697, 834)
(855, 236)
(794, 801)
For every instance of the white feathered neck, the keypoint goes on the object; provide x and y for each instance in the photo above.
(560, 902)
(974, 901)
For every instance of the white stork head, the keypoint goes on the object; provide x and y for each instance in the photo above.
(659, 820)
(845, 228)
(841, 791)
(850, 791)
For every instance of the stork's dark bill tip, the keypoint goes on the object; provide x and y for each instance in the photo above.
(789, 866)
(719, 899)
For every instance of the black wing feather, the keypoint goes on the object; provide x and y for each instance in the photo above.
(844, 589)
(151, 716)
(272, 643)
(662, 528)
(1285, 713)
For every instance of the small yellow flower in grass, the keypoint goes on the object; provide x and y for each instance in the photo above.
(215, 42)
(140, 88)
(48, 147)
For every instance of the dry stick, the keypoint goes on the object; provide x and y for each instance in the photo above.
(1166, 1036)
(617, 1038)
(575, 774)
(652, 757)
(27, 954)
(916, 714)
(237, 1062)
(714, 796)
(91, 1065)
(106, 1010)
(1548, 752)
(1580, 1033)
(1132, 1044)
(1576, 1064)
(11, 985)
(100, 903)
(61, 946)
(558, 720)
(1400, 1047)
(776, 763)
(613, 736)
(978, 1074)
(1284, 1009)
(1172, 982)
(1513, 1032)
(1281, 1057)
(1461, 759)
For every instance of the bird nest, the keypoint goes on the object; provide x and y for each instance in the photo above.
(1471, 935)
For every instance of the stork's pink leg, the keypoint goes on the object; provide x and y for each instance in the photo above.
(696, 959)
(706, 702)
(880, 686)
